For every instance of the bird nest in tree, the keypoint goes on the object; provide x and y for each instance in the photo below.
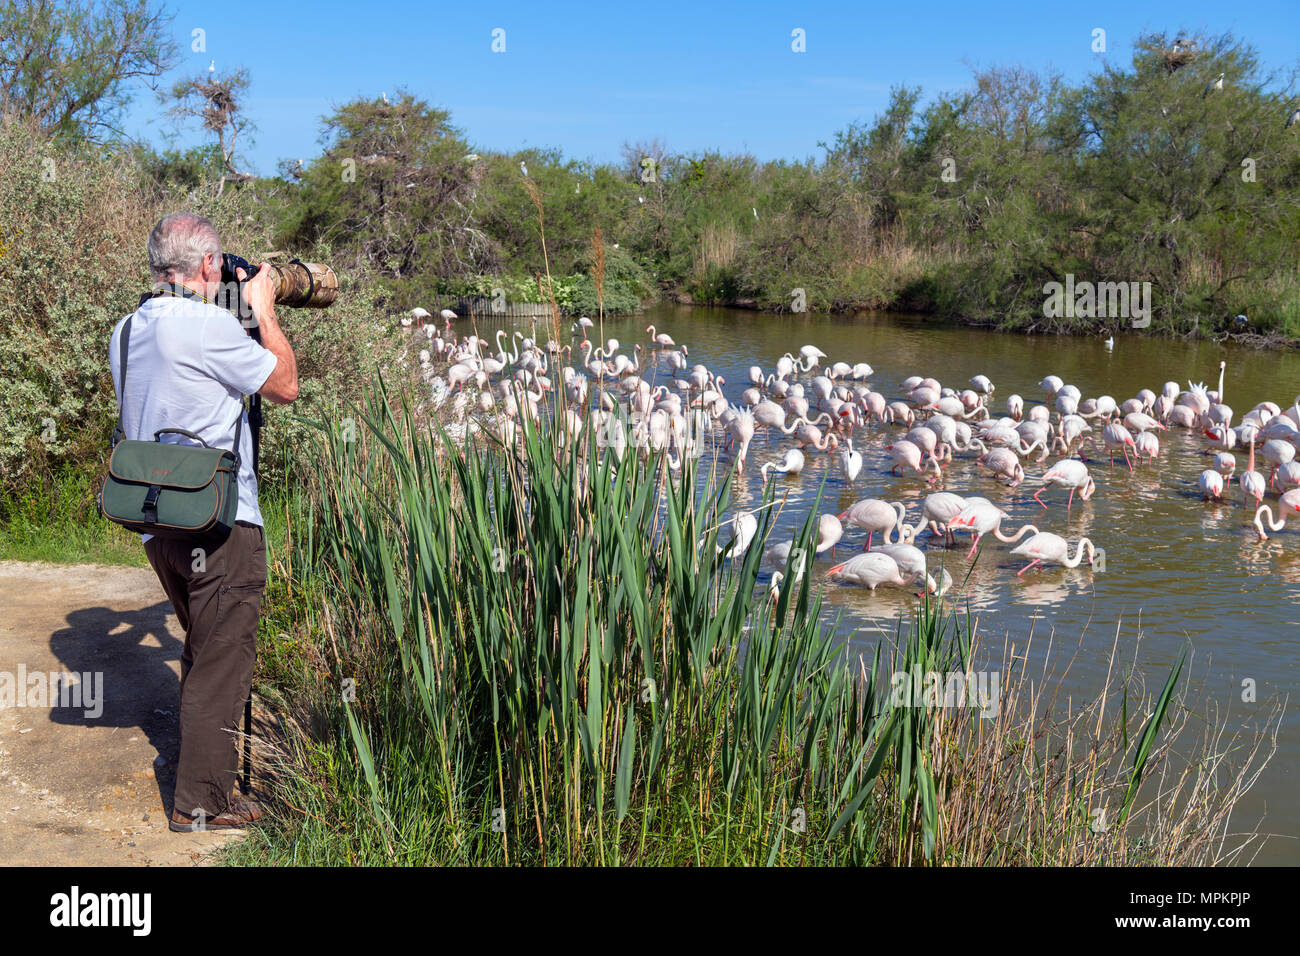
(1178, 57)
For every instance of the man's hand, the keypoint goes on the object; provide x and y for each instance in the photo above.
(259, 292)
(281, 386)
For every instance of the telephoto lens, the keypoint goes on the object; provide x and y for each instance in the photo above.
(303, 285)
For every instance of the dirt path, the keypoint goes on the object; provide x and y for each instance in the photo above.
(79, 787)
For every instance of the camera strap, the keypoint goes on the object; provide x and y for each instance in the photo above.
(311, 282)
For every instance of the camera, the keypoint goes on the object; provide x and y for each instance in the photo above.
(304, 285)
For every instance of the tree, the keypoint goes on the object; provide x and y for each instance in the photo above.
(1193, 173)
(396, 183)
(215, 101)
(873, 159)
(64, 65)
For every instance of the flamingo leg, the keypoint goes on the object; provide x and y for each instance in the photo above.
(974, 544)
(1027, 567)
(1070, 503)
(1039, 492)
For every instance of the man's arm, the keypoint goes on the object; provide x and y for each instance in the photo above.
(281, 385)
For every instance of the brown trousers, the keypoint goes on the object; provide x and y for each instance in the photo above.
(217, 597)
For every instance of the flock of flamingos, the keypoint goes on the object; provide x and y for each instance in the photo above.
(817, 407)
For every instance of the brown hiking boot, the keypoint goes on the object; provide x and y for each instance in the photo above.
(239, 814)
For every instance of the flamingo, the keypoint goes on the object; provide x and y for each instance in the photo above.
(1146, 443)
(829, 532)
(1053, 549)
(811, 355)
(938, 509)
(1221, 437)
(908, 454)
(1211, 484)
(662, 339)
(792, 464)
(1252, 482)
(1278, 452)
(779, 556)
(852, 461)
(1004, 463)
(743, 528)
(1115, 436)
(1287, 505)
(872, 515)
(983, 518)
(911, 563)
(1068, 473)
(869, 570)
(1286, 476)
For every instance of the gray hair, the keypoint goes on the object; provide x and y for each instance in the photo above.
(178, 243)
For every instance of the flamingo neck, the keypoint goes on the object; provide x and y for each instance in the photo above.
(1078, 554)
(1272, 526)
(1024, 530)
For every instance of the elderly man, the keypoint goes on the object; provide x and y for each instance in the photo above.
(189, 365)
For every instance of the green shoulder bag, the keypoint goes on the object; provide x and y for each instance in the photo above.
(176, 491)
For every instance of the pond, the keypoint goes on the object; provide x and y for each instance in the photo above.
(1180, 572)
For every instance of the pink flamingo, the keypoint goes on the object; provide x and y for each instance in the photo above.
(981, 517)
(937, 510)
(1004, 463)
(1287, 505)
(908, 454)
(872, 515)
(1211, 484)
(829, 532)
(1252, 482)
(1147, 444)
(1068, 473)
(870, 570)
(1114, 436)
(662, 339)
(1052, 548)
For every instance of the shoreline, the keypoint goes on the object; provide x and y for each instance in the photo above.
(1272, 341)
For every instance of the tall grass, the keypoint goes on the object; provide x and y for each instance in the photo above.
(539, 654)
(59, 523)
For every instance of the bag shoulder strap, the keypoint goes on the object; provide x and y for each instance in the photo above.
(123, 347)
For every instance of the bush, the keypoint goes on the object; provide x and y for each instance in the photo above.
(73, 225)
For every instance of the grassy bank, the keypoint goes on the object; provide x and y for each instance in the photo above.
(528, 656)
(60, 525)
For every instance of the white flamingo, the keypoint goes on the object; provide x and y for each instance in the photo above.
(1045, 547)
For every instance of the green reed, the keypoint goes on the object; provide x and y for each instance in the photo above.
(540, 654)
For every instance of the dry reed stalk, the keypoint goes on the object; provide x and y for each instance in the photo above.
(535, 194)
(598, 269)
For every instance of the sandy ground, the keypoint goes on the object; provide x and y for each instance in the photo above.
(85, 790)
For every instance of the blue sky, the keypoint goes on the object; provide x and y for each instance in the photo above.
(695, 76)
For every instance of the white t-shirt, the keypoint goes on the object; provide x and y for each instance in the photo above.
(189, 363)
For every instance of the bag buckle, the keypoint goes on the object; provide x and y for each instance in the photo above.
(150, 508)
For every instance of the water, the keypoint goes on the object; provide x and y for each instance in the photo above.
(1180, 572)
